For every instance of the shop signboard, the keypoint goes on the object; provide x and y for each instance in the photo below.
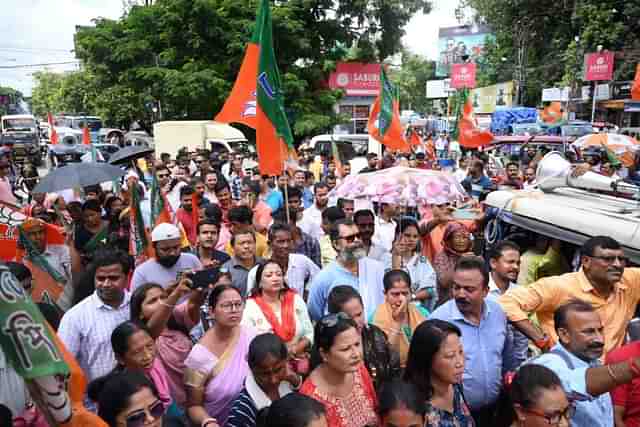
(598, 66)
(438, 88)
(463, 75)
(356, 78)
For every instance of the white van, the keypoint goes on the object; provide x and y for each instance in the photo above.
(171, 136)
(351, 147)
(570, 209)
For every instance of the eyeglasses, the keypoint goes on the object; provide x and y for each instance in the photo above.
(137, 419)
(332, 320)
(623, 260)
(230, 307)
(554, 419)
(351, 238)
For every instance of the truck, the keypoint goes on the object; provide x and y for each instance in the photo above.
(171, 136)
(22, 133)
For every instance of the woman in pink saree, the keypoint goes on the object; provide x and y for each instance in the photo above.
(217, 365)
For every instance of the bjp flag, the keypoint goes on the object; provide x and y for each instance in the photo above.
(635, 89)
(53, 135)
(384, 119)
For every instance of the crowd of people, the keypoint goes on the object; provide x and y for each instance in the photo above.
(269, 302)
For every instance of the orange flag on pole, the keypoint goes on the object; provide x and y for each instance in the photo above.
(53, 135)
(384, 118)
(469, 135)
(635, 89)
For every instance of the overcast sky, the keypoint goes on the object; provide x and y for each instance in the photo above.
(41, 31)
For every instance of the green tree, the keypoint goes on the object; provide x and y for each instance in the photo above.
(411, 78)
(545, 40)
(15, 97)
(186, 53)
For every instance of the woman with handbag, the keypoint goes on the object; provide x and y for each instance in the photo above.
(273, 307)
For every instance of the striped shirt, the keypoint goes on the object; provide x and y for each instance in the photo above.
(251, 400)
(86, 331)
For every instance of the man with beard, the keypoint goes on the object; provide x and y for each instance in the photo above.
(504, 260)
(603, 281)
(312, 216)
(366, 222)
(169, 261)
(86, 328)
(223, 194)
(488, 348)
(352, 267)
(512, 177)
(208, 236)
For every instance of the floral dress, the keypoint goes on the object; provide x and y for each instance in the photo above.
(358, 409)
(461, 416)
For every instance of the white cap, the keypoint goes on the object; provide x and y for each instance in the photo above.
(165, 231)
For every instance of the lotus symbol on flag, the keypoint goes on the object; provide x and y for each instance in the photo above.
(600, 61)
(463, 70)
(250, 109)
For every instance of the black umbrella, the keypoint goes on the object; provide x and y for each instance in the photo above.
(77, 175)
(127, 154)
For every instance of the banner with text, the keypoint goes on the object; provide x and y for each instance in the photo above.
(485, 100)
(356, 78)
(463, 75)
(598, 66)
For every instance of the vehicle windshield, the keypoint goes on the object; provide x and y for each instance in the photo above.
(94, 124)
(14, 125)
(347, 148)
(577, 130)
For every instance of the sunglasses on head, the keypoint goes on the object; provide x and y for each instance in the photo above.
(331, 320)
(138, 418)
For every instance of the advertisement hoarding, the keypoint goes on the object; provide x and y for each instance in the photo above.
(486, 99)
(457, 44)
(356, 78)
(556, 94)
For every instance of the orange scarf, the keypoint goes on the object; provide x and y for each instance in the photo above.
(287, 329)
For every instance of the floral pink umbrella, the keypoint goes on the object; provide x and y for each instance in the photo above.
(402, 185)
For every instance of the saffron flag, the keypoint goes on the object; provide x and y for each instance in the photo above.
(469, 135)
(86, 136)
(384, 118)
(161, 211)
(635, 88)
(552, 114)
(414, 139)
(53, 135)
(240, 106)
(274, 139)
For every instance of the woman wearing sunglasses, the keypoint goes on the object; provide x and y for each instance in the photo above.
(217, 366)
(538, 398)
(127, 399)
(406, 255)
(340, 380)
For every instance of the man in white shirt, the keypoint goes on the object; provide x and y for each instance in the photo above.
(86, 328)
(385, 232)
(299, 269)
(169, 261)
(312, 216)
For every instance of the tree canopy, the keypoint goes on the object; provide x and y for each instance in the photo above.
(553, 38)
(186, 54)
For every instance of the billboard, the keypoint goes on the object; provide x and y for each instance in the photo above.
(598, 66)
(485, 100)
(356, 78)
(457, 43)
(463, 75)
